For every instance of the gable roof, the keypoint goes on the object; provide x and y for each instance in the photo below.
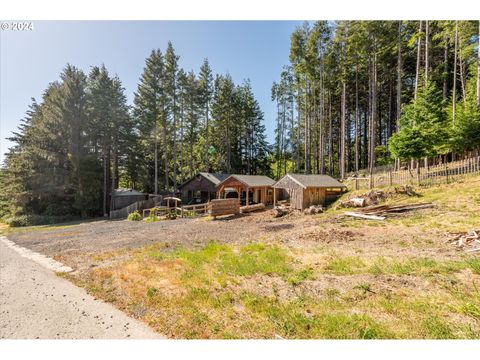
(214, 178)
(307, 181)
(252, 180)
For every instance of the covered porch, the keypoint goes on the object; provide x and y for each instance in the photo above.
(249, 189)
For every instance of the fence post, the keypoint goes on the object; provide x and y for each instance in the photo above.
(390, 178)
(446, 171)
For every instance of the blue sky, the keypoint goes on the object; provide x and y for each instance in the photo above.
(30, 60)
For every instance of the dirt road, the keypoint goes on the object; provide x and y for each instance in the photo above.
(35, 303)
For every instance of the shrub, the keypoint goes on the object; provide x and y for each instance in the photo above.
(134, 216)
(152, 217)
(31, 220)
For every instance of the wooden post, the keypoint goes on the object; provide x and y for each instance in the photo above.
(446, 171)
(356, 183)
(390, 177)
(274, 197)
(246, 202)
(371, 182)
(418, 173)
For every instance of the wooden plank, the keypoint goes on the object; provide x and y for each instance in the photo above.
(364, 216)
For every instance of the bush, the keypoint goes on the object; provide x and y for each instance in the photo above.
(152, 217)
(134, 216)
(31, 220)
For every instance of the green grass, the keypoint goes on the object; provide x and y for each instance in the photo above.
(253, 291)
(457, 207)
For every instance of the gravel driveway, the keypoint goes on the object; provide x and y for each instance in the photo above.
(35, 303)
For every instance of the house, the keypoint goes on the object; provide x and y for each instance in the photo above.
(123, 197)
(247, 188)
(306, 190)
(201, 188)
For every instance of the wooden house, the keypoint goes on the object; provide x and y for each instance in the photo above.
(249, 189)
(303, 191)
(201, 188)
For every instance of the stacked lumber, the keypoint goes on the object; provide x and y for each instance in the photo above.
(469, 241)
(219, 207)
(251, 208)
(378, 212)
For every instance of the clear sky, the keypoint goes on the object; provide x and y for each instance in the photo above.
(29, 60)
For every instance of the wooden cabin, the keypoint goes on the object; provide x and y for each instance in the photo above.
(249, 189)
(303, 191)
(201, 188)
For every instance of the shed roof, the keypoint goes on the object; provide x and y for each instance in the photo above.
(126, 192)
(307, 181)
(252, 180)
(214, 178)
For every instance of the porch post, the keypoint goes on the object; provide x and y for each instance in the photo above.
(247, 198)
(274, 196)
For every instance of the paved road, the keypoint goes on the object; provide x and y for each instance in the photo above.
(35, 303)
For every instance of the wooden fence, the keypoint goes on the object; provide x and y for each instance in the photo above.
(136, 206)
(436, 174)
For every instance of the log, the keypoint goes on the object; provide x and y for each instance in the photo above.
(251, 208)
(279, 211)
(358, 202)
(364, 216)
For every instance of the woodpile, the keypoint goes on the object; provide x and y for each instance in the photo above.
(251, 208)
(378, 212)
(314, 209)
(279, 211)
(405, 189)
(469, 241)
(219, 207)
(372, 197)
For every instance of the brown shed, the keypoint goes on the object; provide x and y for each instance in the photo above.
(202, 187)
(247, 188)
(306, 190)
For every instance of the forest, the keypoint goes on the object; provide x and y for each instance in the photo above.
(362, 94)
(355, 95)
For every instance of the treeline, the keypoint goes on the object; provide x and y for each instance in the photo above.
(82, 140)
(359, 94)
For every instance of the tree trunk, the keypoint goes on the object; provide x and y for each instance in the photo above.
(156, 156)
(454, 95)
(104, 182)
(419, 53)
(478, 69)
(426, 52)
(165, 150)
(445, 70)
(330, 136)
(342, 134)
(174, 134)
(357, 138)
(207, 163)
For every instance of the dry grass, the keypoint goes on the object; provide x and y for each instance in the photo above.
(326, 277)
